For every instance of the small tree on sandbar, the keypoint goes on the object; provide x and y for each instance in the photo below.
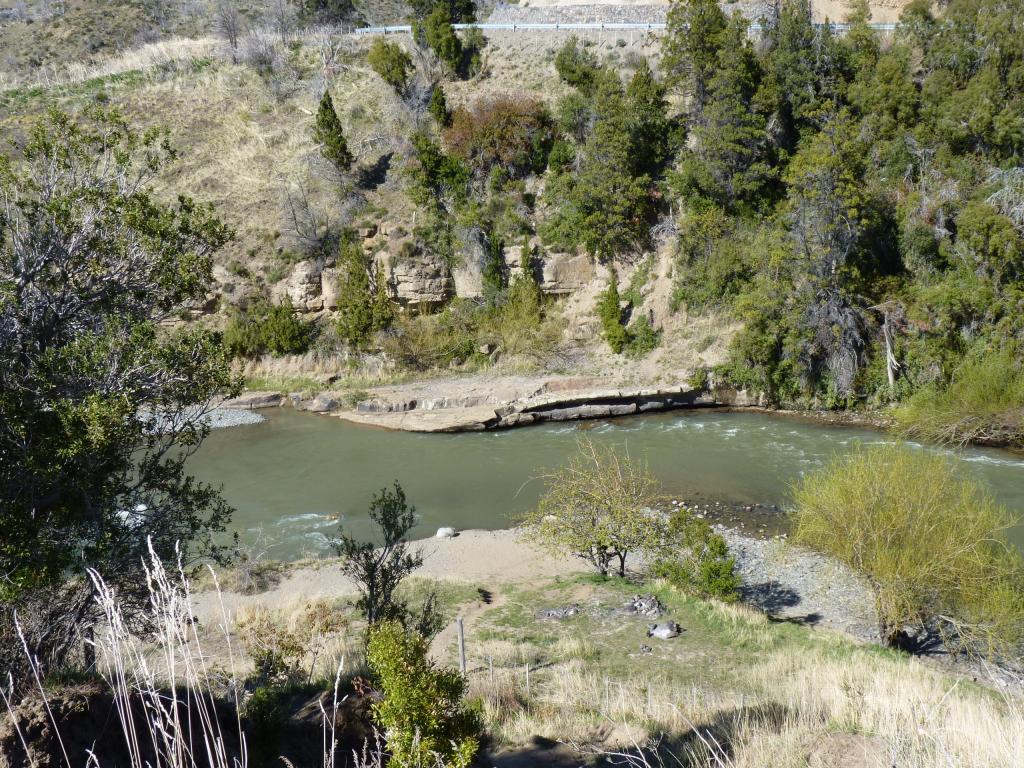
(599, 508)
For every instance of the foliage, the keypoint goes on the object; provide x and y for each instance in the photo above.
(280, 645)
(378, 568)
(421, 712)
(328, 133)
(363, 309)
(600, 507)
(577, 66)
(513, 134)
(391, 62)
(102, 398)
(642, 338)
(440, 36)
(438, 178)
(438, 107)
(930, 543)
(696, 559)
(609, 312)
(984, 402)
(605, 201)
(264, 328)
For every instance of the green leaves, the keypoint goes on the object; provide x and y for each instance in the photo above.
(328, 133)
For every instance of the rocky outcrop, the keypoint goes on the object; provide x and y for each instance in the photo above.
(303, 287)
(418, 280)
(565, 273)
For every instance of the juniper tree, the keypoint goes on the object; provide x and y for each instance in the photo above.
(328, 133)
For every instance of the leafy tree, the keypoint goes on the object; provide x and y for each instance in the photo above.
(378, 568)
(328, 133)
(598, 508)
(513, 134)
(391, 62)
(438, 178)
(263, 328)
(438, 106)
(102, 400)
(421, 710)
(930, 543)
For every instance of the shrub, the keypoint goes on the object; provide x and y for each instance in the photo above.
(697, 559)
(362, 309)
(598, 507)
(328, 133)
(264, 328)
(421, 712)
(642, 339)
(391, 62)
(984, 402)
(576, 66)
(929, 542)
(514, 134)
(423, 342)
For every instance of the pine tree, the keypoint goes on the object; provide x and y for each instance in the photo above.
(383, 311)
(610, 314)
(329, 135)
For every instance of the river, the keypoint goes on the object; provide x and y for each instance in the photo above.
(292, 477)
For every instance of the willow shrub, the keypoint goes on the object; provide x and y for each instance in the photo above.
(929, 541)
(983, 402)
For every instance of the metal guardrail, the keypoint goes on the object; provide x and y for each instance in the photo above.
(399, 29)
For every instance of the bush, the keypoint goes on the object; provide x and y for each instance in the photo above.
(984, 402)
(598, 507)
(642, 339)
(264, 328)
(363, 309)
(391, 62)
(697, 559)
(577, 66)
(439, 106)
(930, 543)
(421, 712)
(423, 342)
(514, 134)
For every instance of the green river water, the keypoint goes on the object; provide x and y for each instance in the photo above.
(293, 476)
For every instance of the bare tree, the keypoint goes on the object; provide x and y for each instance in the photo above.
(282, 19)
(228, 21)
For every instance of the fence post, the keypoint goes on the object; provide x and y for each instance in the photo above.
(462, 646)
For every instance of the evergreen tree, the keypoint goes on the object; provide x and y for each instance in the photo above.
(355, 321)
(731, 137)
(390, 62)
(439, 106)
(691, 45)
(495, 272)
(440, 36)
(383, 311)
(609, 312)
(651, 128)
(328, 133)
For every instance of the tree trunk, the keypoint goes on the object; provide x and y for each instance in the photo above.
(622, 563)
